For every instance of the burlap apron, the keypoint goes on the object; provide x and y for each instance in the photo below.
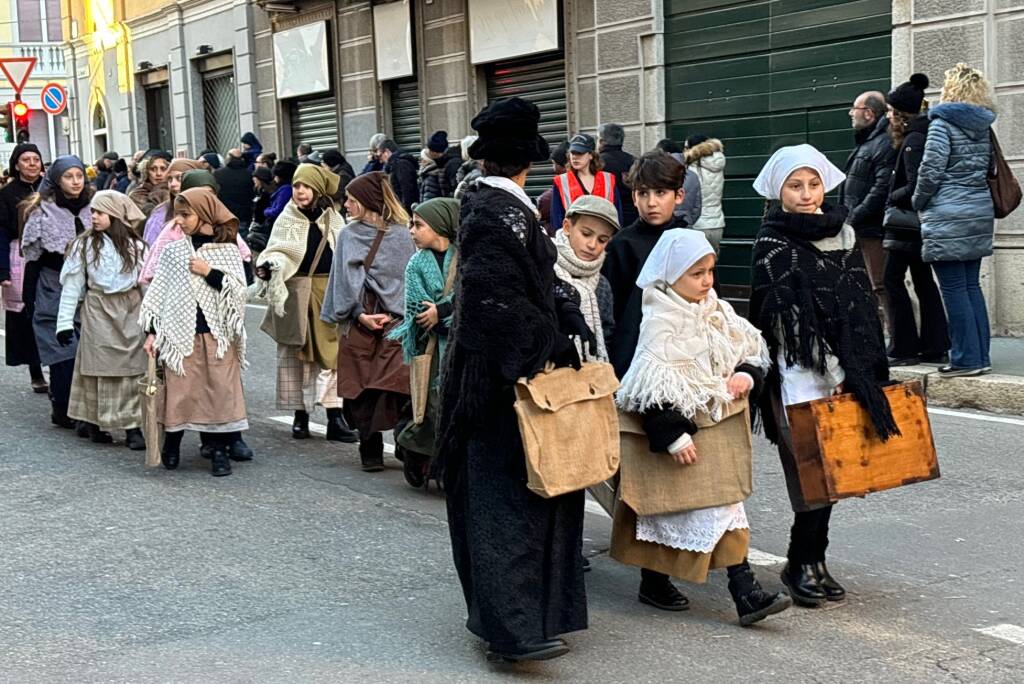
(114, 337)
(321, 338)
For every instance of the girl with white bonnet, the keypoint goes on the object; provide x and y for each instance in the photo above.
(695, 366)
(812, 300)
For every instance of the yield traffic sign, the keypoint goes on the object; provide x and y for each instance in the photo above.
(17, 70)
(53, 98)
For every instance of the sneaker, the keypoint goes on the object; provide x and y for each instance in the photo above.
(954, 372)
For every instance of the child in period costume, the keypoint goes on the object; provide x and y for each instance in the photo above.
(195, 313)
(301, 245)
(695, 363)
(102, 268)
(589, 225)
(366, 296)
(429, 281)
(812, 300)
(54, 216)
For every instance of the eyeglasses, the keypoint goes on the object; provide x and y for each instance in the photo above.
(854, 109)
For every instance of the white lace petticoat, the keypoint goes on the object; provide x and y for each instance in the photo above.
(697, 531)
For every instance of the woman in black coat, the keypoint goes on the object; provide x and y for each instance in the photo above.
(517, 554)
(902, 242)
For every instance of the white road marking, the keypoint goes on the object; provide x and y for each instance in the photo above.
(1006, 420)
(592, 506)
(3, 333)
(1012, 633)
(319, 429)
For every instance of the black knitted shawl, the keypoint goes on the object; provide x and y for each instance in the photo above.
(811, 303)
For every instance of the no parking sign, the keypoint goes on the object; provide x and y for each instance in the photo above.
(54, 98)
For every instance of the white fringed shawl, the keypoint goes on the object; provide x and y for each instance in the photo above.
(169, 310)
(686, 354)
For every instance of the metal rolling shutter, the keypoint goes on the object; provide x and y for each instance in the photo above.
(220, 111)
(760, 75)
(542, 81)
(405, 115)
(314, 121)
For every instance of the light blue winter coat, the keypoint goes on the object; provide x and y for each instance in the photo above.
(952, 195)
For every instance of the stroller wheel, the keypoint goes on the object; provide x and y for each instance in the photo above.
(415, 470)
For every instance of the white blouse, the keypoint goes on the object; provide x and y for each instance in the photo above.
(105, 276)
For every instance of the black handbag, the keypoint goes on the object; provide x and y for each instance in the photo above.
(897, 217)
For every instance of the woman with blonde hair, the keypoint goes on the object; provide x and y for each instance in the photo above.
(151, 190)
(957, 217)
(366, 296)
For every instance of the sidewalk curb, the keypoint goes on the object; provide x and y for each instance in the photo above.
(992, 392)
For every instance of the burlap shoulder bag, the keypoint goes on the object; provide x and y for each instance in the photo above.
(570, 428)
(291, 328)
(653, 483)
(419, 369)
(151, 387)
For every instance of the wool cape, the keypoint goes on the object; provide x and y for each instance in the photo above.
(51, 228)
(810, 303)
(169, 306)
(586, 277)
(286, 248)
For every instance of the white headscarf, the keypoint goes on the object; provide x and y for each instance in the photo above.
(786, 160)
(677, 250)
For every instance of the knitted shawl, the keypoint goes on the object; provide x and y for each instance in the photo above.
(286, 248)
(50, 228)
(585, 276)
(168, 309)
(424, 282)
(810, 303)
(686, 354)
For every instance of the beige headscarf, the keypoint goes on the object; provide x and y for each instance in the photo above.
(208, 208)
(117, 205)
(181, 165)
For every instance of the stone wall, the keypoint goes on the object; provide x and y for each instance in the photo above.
(932, 35)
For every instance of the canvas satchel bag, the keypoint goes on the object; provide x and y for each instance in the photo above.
(419, 369)
(570, 428)
(1006, 192)
(151, 387)
(653, 483)
(291, 328)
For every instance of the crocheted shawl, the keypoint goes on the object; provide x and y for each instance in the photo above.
(585, 276)
(172, 233)
(424, 282)
(686, 354)
(168, 309)
(50, 228)
(810, 303)
(286, 248)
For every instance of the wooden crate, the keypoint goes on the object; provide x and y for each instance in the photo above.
(838, 453)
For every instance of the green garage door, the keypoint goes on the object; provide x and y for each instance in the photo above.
(760, 75)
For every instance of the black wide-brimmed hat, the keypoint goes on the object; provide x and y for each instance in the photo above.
(508, 132)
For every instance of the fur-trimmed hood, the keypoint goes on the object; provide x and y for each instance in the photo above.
(704, 149)
(967, 117)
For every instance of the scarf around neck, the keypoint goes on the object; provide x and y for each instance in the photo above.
(686, 353)
(424, 282)
(585, 276)
(510, 186)
(811, 303)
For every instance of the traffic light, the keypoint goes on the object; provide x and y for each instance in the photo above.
(21, 113)
(5, 122)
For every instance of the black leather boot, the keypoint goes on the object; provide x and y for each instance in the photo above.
(99, 436)
(338, 430)
(170, 454)
(753, 603)
(220, 464)
(300, 425)
(59, 417)
(833, 590)
(541, 649)
(657, 590)
(82, 429)
(371, 453)
(238, 450)
(134, 440)
(803, 585)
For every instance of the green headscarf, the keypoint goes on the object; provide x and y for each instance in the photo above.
(324, 183)
(441, 214)
(199, 178)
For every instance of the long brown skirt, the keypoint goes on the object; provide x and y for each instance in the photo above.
(688, 566)
(208, 397)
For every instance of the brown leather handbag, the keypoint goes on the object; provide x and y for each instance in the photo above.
(367, 359)
(1006, 192)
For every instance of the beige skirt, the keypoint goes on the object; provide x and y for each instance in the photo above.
(112, 339)
(208, 397)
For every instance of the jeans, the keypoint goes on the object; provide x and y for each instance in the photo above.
(905, 342)
(965, 308)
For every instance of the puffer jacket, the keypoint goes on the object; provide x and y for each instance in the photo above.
(952, 196)
(401, 169)
(868, 172)
(904, 182)
(431, 177)
(707, 160)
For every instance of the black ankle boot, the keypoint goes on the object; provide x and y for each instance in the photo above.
(98, 436)
(220, 464)
(833, 590)
(371, 453)
(170, 454)
(657, 590)
(300, 425)
(803, 585)
(59, 417)
(753, 603)
(82, 429)
(542, 649)
(238, 450)
(338, 430)
(134, 440)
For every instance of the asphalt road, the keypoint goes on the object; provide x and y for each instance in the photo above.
(301, 568)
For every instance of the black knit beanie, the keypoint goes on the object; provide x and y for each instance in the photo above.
(907, 97)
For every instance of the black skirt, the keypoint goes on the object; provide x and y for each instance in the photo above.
(20, 343)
